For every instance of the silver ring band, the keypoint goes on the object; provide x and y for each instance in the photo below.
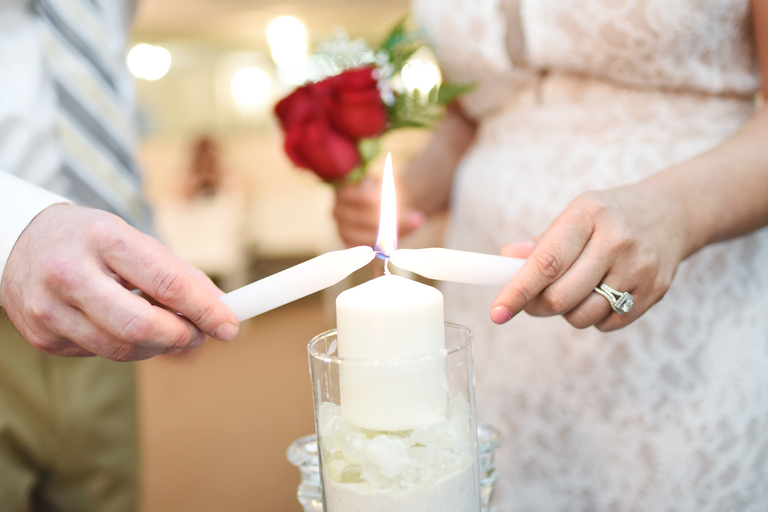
(621, 302)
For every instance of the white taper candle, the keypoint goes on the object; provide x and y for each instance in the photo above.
(457, 266)
(296, 282)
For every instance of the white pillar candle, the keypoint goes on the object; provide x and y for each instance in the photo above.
(381, 326)
(296, 282)
(458, 266)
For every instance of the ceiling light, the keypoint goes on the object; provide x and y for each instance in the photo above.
(287, 38)
(250, 88)
(149, 62)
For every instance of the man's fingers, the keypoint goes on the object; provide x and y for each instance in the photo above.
(198, 274)
(551, 258)
(155, 272)
(136, 321)
(66, 331)
(64, 288)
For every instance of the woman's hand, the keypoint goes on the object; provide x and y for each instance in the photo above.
(357, 213)
(632, 239)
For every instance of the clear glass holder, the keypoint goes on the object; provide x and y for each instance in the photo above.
(433, 466)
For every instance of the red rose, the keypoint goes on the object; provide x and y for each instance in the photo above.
(355, 105)
(322, 122)
(295, 108)
(316, 146)
(310, 140)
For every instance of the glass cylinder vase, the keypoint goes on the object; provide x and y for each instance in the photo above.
(432, 467)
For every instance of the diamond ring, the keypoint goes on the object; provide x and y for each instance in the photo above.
(620, 302)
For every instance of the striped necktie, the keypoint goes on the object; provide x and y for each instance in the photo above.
(94, 119)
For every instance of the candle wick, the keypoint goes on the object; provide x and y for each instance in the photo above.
(383, 256)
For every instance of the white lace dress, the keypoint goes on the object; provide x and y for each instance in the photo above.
(670, 413)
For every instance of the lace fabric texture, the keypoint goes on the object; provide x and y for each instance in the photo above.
(670, 413)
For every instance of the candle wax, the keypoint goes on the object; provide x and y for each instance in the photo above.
(383, 326)
(458, 266)
(296, 282)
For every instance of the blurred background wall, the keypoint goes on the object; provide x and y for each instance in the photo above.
(216, 422)
(223, 82)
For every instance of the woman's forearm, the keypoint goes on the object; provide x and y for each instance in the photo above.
(428, 178)
(723, 193)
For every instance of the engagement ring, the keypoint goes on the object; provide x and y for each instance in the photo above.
(620, 302)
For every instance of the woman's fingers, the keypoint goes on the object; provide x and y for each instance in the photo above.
(553, 256)
(628, 238)
(594, 309)
(571, 289)
(357, 212)
(589, 312)
(520, 250)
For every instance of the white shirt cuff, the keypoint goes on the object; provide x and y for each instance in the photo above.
(20, 202)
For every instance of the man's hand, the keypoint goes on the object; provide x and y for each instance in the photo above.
(66, 288)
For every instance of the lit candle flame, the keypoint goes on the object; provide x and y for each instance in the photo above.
(386, 240)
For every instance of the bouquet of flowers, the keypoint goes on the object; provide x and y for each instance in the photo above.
(333, 126)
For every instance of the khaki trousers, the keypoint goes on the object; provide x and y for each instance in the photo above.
(68, 431)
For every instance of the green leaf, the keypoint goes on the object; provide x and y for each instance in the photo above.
(356, 175)
(369, 149)
(410, 111)
(433, 95)
(450, 92)
(397, 34)
(411, 123)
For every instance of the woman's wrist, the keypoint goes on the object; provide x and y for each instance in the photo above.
(687, 223)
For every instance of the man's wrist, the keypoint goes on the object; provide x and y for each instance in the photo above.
(20, 203)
